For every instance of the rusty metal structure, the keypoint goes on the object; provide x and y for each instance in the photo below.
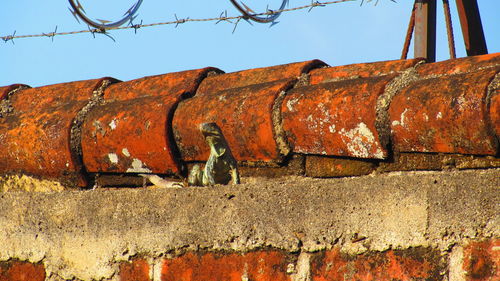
(423, 26)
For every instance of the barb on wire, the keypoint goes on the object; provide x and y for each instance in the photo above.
(223, 17)
(232, 19)
(51, 34)
(180, 21)
(9, 38)
(93, 31)
(135, 26)
(315, 4)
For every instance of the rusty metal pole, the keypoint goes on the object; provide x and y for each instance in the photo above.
(425, 30)
(472, 28)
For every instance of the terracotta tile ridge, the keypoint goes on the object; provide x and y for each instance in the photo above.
(447, 114)
(459, 66)
(242, 78)
(362, 70)
(75, 138)
(5, 103)
(382, 120)
(493, 109)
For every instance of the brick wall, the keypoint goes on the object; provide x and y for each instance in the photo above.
(479, 261)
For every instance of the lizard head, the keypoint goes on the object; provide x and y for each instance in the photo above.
(210, 130)
(214, 138)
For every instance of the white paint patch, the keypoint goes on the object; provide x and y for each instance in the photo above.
(113, 124)
(125, 152)
(113, 158)
(138, 167)
(439, 115)
(426, 117)
(402, 117)
(360, 141)
(291, 103)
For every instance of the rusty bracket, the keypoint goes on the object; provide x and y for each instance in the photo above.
(425, 30)
(472, 28)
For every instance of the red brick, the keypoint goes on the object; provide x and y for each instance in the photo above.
(21, 271)
(360, 70)
(446, 114)
(35, 137)
(336, 118)
(482, 260)
(255, 266)
(256, 76)
(132, 131)
(412, 264)
(461, 65)
(137, 270)
(244, 116)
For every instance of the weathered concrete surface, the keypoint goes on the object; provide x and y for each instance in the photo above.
(83, 234)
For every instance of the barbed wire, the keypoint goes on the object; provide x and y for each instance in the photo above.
(222, 18)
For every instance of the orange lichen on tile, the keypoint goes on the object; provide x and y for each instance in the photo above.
(6, 90)
(245, 116)
(131, 133)
(445, 114)
(360, 70)
(256, 76)
(35, 137)
(460, 65)
(336, 118)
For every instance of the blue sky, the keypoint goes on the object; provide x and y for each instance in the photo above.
(338, 34)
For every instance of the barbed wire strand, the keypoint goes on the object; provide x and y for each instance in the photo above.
(222, 17)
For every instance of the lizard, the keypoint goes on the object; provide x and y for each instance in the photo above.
(221, 166)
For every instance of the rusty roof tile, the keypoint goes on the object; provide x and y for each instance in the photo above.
(360, 70)
(445, 114)
(461, 65)
(36, 135)
(336, 118)
(256, 76)
(245, 116)
(132, 133)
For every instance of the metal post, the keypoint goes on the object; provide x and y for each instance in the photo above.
(425, 30)
(472, 28)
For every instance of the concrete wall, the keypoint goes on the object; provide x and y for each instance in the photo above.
(394, 226)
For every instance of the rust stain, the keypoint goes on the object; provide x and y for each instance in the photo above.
(360, 70)
(336, 118)
(445, 114)
(461, 65)
(36, 137)
(243, 114)
(256, 76)
(131, 133)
